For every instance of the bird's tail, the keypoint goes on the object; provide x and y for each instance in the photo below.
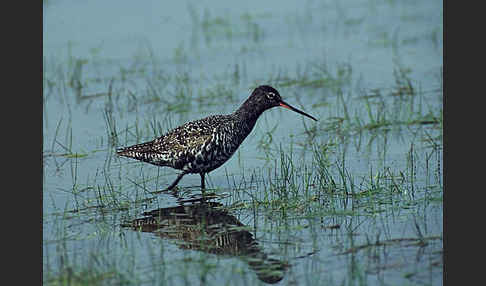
(130, 150)
(144, 152)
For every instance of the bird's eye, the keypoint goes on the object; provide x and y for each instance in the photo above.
(270, 95)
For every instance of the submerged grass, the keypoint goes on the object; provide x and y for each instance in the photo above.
(318, 75)
(286, 190)
(218, 29)
(89, 277)
(400, 106)
(287, 202)
(326, 186)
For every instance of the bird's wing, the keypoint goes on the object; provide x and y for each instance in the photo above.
(189, 136)
(183, 138)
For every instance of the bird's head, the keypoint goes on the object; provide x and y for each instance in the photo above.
(265, 97)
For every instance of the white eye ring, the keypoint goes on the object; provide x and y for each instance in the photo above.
(270, 95)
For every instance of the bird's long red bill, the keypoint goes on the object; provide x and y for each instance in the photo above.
(288, 106)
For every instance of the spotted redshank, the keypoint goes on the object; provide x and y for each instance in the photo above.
(203, 145)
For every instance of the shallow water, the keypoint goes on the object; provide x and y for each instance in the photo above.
(117, 73)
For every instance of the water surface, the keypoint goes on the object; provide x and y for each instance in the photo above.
(117, 73)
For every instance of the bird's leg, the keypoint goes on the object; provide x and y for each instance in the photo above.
(203, 186)
(171, 185)
(175, 182)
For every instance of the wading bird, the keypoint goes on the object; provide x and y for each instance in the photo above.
(203, 145)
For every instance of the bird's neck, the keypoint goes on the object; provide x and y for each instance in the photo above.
(246, 122)
(249, 111)
(247, 119)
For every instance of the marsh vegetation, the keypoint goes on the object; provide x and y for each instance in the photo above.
(353, 199)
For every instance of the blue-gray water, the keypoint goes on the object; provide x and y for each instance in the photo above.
(149, 50)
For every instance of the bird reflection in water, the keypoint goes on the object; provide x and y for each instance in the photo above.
(209, 227)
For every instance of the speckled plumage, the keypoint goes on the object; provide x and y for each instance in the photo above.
(198, 146)
(203, 145)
